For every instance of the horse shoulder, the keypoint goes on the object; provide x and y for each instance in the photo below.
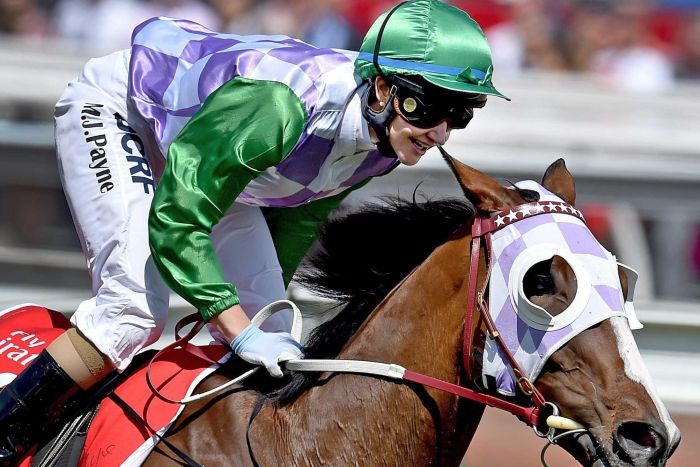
(349, 420)
(211, 431)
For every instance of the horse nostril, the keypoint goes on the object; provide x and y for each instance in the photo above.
(640, 440)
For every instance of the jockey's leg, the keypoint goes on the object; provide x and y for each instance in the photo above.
(81, 360)
(50, 391)
(106, 184)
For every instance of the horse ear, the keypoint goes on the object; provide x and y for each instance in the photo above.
(559, 181)
(483, 191)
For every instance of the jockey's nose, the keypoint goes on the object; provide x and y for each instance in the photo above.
(439, 133)
(641, 442)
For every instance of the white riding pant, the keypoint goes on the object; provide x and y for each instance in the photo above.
(109, 187)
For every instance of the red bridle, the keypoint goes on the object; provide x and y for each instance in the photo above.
(481, 229)
(534, 415)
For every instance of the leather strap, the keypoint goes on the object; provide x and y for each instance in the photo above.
(529, 415)
(256, 410)
(180, 342)
(188, 461)
(184, 343)
(396, 372)
(503, 218)
(481, 232)
(471, 298)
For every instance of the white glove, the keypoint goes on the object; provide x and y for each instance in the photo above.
(266, 348)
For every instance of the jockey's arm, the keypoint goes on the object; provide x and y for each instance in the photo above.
(242, 129)
(293, 231)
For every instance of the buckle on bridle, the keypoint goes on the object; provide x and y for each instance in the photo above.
(525, 386)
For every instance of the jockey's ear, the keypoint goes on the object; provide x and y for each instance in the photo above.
(381, 89)
(559, 181)
(483, 191)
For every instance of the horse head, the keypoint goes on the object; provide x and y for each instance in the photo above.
(562, 305)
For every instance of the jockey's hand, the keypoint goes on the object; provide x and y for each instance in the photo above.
(266, 348)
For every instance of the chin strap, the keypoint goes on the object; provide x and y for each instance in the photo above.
(380, 120)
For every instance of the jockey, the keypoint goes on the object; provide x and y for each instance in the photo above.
(175, 155)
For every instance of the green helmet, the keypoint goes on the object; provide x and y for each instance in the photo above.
(432, 39)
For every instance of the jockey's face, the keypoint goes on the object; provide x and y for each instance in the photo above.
(409, 142)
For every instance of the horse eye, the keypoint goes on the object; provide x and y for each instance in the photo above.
(544, 283)
(538, 280)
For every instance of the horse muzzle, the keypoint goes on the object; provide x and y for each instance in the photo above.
(634, 443)
(642, 443)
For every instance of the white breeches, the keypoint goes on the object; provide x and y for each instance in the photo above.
(109, 187)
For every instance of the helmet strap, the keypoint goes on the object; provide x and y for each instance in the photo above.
(379, 120)
(377, 45)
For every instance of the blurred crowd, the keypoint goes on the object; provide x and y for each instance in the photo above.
(636, 44)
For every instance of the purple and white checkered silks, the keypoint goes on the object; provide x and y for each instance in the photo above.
(176, 64)
(530, 333)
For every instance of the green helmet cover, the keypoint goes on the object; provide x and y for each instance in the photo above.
(432, 39)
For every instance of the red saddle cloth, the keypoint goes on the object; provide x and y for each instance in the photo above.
(114, 437)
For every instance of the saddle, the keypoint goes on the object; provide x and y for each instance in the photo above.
(127, 419)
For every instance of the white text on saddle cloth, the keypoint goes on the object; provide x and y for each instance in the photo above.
(20, 347)
(26, 330)
(529, 331)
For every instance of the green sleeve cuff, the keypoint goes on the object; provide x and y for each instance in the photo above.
(218, 307)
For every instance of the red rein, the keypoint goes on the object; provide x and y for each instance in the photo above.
(481, 228)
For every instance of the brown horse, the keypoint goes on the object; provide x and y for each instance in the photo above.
(402, 272)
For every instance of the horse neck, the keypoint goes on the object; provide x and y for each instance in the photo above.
(419, 326)
(420, 323)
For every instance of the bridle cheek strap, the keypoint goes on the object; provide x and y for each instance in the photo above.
(467, 341)
(481, 233)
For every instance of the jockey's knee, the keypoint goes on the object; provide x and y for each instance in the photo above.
(120, 328)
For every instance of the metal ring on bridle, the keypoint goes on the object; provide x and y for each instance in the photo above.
(555, 439)
(525, 385)
(554, 412)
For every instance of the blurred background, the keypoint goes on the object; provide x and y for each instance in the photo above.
(613, 87)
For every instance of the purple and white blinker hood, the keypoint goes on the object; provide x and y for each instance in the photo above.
(531, 334)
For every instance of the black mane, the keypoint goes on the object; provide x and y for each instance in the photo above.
(360, 257)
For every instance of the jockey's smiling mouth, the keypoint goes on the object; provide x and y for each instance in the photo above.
(411, 142)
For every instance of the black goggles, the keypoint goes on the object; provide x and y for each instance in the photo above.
(425, 109)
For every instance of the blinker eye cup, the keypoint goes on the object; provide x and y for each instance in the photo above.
(417, 112)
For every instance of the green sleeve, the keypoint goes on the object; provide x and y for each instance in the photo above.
(294, 230)
(243, 128)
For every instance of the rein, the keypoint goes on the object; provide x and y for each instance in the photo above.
(541, 415)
